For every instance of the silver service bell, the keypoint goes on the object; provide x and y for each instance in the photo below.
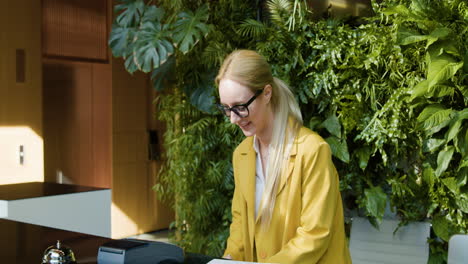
(58, 254)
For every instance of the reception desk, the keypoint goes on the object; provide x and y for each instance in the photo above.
(23, 243)
(33, 216)
(70, 207)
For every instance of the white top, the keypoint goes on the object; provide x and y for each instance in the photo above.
(259, 177)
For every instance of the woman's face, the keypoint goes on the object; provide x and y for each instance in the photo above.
(232, 93)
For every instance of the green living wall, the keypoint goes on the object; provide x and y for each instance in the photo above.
(389, 95)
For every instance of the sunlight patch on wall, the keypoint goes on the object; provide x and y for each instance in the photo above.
(21, 155)
(121, 219)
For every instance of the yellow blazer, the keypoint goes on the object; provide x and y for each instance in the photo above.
(307, 225)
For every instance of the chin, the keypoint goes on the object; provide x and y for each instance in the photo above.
(248, 130)
(248, 133)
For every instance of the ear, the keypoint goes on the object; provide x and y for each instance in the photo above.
(267, 93)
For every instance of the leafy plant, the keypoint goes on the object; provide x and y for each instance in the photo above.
(442, 99)
(389, 96)
(147, 36)
(182, 43)
(199, 177)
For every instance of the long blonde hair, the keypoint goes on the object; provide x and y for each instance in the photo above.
(252, 70)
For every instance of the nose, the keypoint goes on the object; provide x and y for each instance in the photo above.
(234, 118)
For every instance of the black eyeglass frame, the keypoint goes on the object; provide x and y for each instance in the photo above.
(224, 109)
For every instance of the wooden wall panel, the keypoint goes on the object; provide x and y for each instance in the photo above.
(77, 156)
(20, 102)
(77, 123)
(130, 165)
(3, 66)
(135, 208)
(102, 125)
(161, 214)
(75, 29)
(67, 130)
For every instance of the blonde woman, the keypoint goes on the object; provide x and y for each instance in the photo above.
(287, 205)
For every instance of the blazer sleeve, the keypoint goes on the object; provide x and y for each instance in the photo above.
(235, 245)
(320, 194)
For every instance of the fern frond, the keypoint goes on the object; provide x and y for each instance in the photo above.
(252, 28)
(215, 52)
(279, 10)
(299, 11)
(286, 13)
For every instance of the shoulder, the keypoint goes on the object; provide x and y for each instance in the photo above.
(309, 138)
(310, 143)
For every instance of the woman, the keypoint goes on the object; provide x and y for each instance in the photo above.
(287, 206)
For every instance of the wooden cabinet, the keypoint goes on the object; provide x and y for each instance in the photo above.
(80, 119)
(133, 173)
(96, 122)
(78, 122)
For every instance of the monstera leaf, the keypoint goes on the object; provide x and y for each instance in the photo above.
(153, 46)
(201, 93)
(163, 74)
(124, 27)
(153, 13)
(120, 39)
(143, 36)
(130, 12)
(190, 28)
(139, 36)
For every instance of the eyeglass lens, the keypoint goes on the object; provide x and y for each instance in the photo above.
(241, 110)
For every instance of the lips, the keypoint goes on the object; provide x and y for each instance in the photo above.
(244, 125)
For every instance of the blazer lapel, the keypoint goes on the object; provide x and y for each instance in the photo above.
(247, 182)
(290, 167)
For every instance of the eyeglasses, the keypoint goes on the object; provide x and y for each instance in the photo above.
(241, 110)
